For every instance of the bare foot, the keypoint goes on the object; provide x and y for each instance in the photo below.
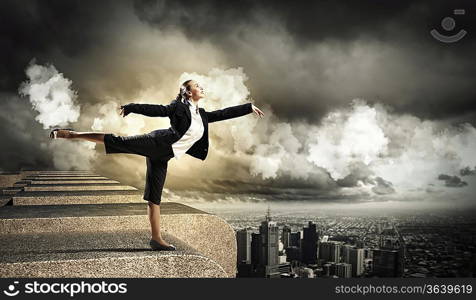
(64, 134)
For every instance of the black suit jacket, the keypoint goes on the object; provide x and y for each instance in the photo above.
(180, 120)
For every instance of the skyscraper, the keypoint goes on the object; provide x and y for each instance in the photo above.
(330, 251)
(387, 263)
(269, 233)
(265, 250)
(391, 257)
(256, 246)
(309, 244)
(346, 253)
(295, 239)
(286, 236)
(356, 259)
(243, 243)
(293, 253)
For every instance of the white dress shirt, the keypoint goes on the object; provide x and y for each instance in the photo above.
(193, 134)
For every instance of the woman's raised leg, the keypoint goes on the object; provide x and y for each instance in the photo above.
(144, 145)
(96, 137)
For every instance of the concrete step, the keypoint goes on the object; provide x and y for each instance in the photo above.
(11, 190)
(21, 183)
(120, 253)
(208, 234)
(76, 197)
(69, 181)
(8, 179)
(65, 177)
(5, 200)
(79, 187)
(63, 172)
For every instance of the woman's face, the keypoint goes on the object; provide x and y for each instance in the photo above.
(196, 91)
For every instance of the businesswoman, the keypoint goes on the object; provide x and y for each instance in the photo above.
(188, 134)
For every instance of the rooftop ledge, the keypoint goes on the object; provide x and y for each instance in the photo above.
(86, 239)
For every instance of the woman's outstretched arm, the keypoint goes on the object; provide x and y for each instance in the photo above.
(233, 112)
(150, 110)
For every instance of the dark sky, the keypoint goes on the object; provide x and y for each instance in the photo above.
(303, 60)
(434, 73)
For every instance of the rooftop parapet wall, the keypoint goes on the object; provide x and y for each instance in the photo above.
(206, 245)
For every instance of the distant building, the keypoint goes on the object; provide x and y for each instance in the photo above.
(343, 270)
(368, 266)
(367, 253)
(282, 259)
(256, 246)
(243, 243)
(309, 244)
(295, 239)
(284, 268)
(356, 259)
(346, 253)
(293, 253)
(286, 236)
(391, 240)
(330, 251)
(269, 233)
(387, 263)
(328, 269)
(265, 251)
(304, 272)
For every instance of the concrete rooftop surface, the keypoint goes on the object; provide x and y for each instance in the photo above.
(81, 224)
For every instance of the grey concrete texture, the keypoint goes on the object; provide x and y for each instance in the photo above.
(11, 190)
(65, 174)
(40, 173)
(103, 199)
(77, 197)
(72, 226)
(207, 233)
(9, 179)
(64, 171)
(120, 253)
(64, 177)
(70, 181)
(212, 235)
(93, 210)
(78, 187)
(4, 200)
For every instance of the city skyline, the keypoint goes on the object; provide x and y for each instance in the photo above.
(411, 246)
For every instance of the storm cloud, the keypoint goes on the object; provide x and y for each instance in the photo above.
(467, 171)
(452, 181)
(360, 101)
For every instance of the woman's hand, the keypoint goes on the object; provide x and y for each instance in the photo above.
(257, 111)
(122, 111)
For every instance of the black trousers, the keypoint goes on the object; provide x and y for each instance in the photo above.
(156, 151)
